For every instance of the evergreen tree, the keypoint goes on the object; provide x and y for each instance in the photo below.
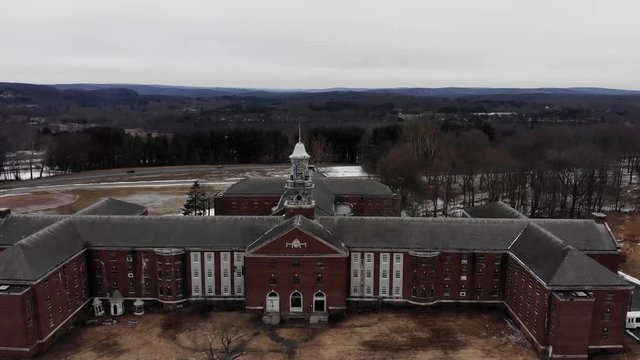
(197, 202)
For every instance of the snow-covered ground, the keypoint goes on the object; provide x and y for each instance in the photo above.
(343, 171)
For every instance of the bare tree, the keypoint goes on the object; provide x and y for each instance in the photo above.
(320, 150)
(222, 344)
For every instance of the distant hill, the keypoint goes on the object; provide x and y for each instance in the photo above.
(449, 92)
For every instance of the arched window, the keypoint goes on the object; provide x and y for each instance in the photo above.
(295, 302)
(319, 302)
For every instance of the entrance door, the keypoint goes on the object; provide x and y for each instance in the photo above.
(273, 302)
(295, 302)
(319, 302)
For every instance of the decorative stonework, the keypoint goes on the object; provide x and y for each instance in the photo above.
(296, 244)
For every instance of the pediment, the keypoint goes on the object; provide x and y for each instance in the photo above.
(295, 242)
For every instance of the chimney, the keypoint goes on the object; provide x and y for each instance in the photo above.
(599, 217)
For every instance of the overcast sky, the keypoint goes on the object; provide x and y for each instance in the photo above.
(319, 44)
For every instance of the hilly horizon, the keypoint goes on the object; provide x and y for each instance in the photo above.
(203, 91)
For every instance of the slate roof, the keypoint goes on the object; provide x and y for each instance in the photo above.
(257, 186)
(494, 210)
(111, 206)
(17, 227)
(36, 255)
(460, 233)
(354, 186)
(549, 247)
(215, 232)
(336, 186)
(557, 263)
(299, 222)
(422, 233)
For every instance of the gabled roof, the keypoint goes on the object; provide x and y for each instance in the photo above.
(494, 210)
(310, 227)
(17, 227)
(31, 258)
(111, 206)
(557, 263)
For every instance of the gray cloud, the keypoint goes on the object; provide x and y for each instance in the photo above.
(323, 44)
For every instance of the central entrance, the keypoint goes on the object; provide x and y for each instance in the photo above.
(273, 302)
(295, 303)
(319, 302)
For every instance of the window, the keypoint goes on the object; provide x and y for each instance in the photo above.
(447, 259)
(464, 259)
(367, 290)
(196, 273)
(398, 258)
(319, 279)
(272, 280)
(385, 258)
(209, 257)
(295, 263)
(129, 258)
(225, 257)
(610, 297)
(368, 273)
(423, 292)
(239, 271)
(384, 290)
(604, 334)
(273, 263)
(320, 263)
(50, 321)
(225, 273)
(369, 257)
(356, 258)
(396, 291)
(355, 273)
(607, 315)
(296, 279)
(414, 292)
(384, 273)
(225, 290)
(209, 289)
(195, 257)
(48, 302)
(446, 290)
(209, 273)
(480, 258)
(238, 257)
(196, 289)
(397, 274)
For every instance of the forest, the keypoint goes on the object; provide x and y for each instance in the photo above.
(545, 155)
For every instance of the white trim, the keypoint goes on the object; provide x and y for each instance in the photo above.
(225, 266)
(267, 300)
(383, 283)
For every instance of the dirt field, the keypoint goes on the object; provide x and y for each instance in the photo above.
(163, 194)
(626, 228)
(439, 334)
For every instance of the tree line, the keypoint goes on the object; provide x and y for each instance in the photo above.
(543, 171)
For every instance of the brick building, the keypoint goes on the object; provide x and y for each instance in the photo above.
(556, 278)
